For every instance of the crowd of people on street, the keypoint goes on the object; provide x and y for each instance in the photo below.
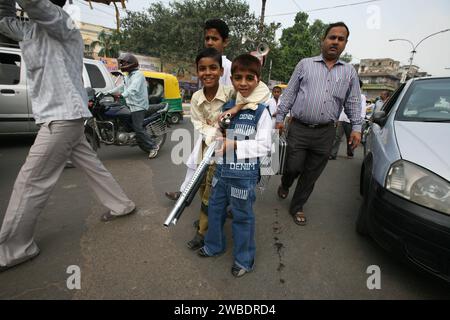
(323, 101)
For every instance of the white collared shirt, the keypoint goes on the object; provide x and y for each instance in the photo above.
(204, 113)
(226, 78)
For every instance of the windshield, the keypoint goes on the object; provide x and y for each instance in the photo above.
(426, 100)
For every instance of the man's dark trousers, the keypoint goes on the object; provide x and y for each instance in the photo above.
(137, 118)
(307, 155)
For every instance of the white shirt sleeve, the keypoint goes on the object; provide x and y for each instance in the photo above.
(363, 106)
(226, 78)
(262, 143)
(199, 122)
(272, 106)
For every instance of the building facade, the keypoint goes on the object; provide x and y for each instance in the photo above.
(89, 33)
(384, 74)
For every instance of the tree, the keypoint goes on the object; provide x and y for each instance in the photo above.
(300, 41)
(297, 42)
(109, 43)
(175, 32)
(346, 57)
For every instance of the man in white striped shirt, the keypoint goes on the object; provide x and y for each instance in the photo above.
(52, 49)
(316, 92)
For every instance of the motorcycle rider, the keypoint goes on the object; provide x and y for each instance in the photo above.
(134, 90)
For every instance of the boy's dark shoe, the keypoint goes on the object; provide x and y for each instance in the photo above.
(238, 271)
(202, 253)
(197, 242)
(173, 195)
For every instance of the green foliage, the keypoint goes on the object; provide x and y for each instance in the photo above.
(297, 42)
(346, 57)
(175, 32)
(109, 43)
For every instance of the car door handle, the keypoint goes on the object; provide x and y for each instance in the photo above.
(7, 91)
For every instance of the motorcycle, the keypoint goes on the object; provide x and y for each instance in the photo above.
(111, 123)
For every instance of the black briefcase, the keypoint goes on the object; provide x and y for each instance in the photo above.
(282, 154)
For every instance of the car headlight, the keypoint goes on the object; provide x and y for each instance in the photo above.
(419, 185)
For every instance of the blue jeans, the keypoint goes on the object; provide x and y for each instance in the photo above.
(240, 195)
(142, 136)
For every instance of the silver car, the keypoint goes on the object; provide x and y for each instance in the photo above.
(405, 176)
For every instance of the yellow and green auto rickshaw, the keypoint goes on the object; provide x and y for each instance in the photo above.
(170, 93)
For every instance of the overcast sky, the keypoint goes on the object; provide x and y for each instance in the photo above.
(371, 25)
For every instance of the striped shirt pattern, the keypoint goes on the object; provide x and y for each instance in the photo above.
(52, 49)
(317, 95)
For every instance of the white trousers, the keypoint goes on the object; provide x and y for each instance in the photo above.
(192, 163)
(55, 143)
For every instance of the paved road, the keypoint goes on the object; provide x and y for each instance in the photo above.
(136, 258)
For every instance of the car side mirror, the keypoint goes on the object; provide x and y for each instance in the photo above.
(379, 118)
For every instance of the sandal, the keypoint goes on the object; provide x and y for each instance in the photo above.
(282, 193)
(299, 218)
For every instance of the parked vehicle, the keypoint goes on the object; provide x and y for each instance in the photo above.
(16, 114)
(405, 176)
(111, 123)
(172, 94)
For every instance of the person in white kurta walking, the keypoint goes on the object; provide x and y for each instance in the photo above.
(273, 103)
(52, 49)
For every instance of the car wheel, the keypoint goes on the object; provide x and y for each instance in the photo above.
(361, 221)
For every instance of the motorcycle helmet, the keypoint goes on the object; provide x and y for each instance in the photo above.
(127, 62)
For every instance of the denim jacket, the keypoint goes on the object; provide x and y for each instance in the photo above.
(242, 127)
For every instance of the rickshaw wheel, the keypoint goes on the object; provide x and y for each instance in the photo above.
(174, 118)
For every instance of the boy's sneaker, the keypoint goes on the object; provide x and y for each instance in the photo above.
(238, 271)
(202, 253)
(197, 242)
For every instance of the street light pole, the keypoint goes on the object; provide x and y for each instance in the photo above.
(413, 51)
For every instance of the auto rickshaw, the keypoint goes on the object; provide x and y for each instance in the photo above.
(171, 93)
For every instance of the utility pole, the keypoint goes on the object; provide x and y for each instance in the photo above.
(263, 12)
(414, 47)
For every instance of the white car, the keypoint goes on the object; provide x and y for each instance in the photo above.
(405, 176)
(15, 106)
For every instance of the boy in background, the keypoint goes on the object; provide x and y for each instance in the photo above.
(274, 102)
